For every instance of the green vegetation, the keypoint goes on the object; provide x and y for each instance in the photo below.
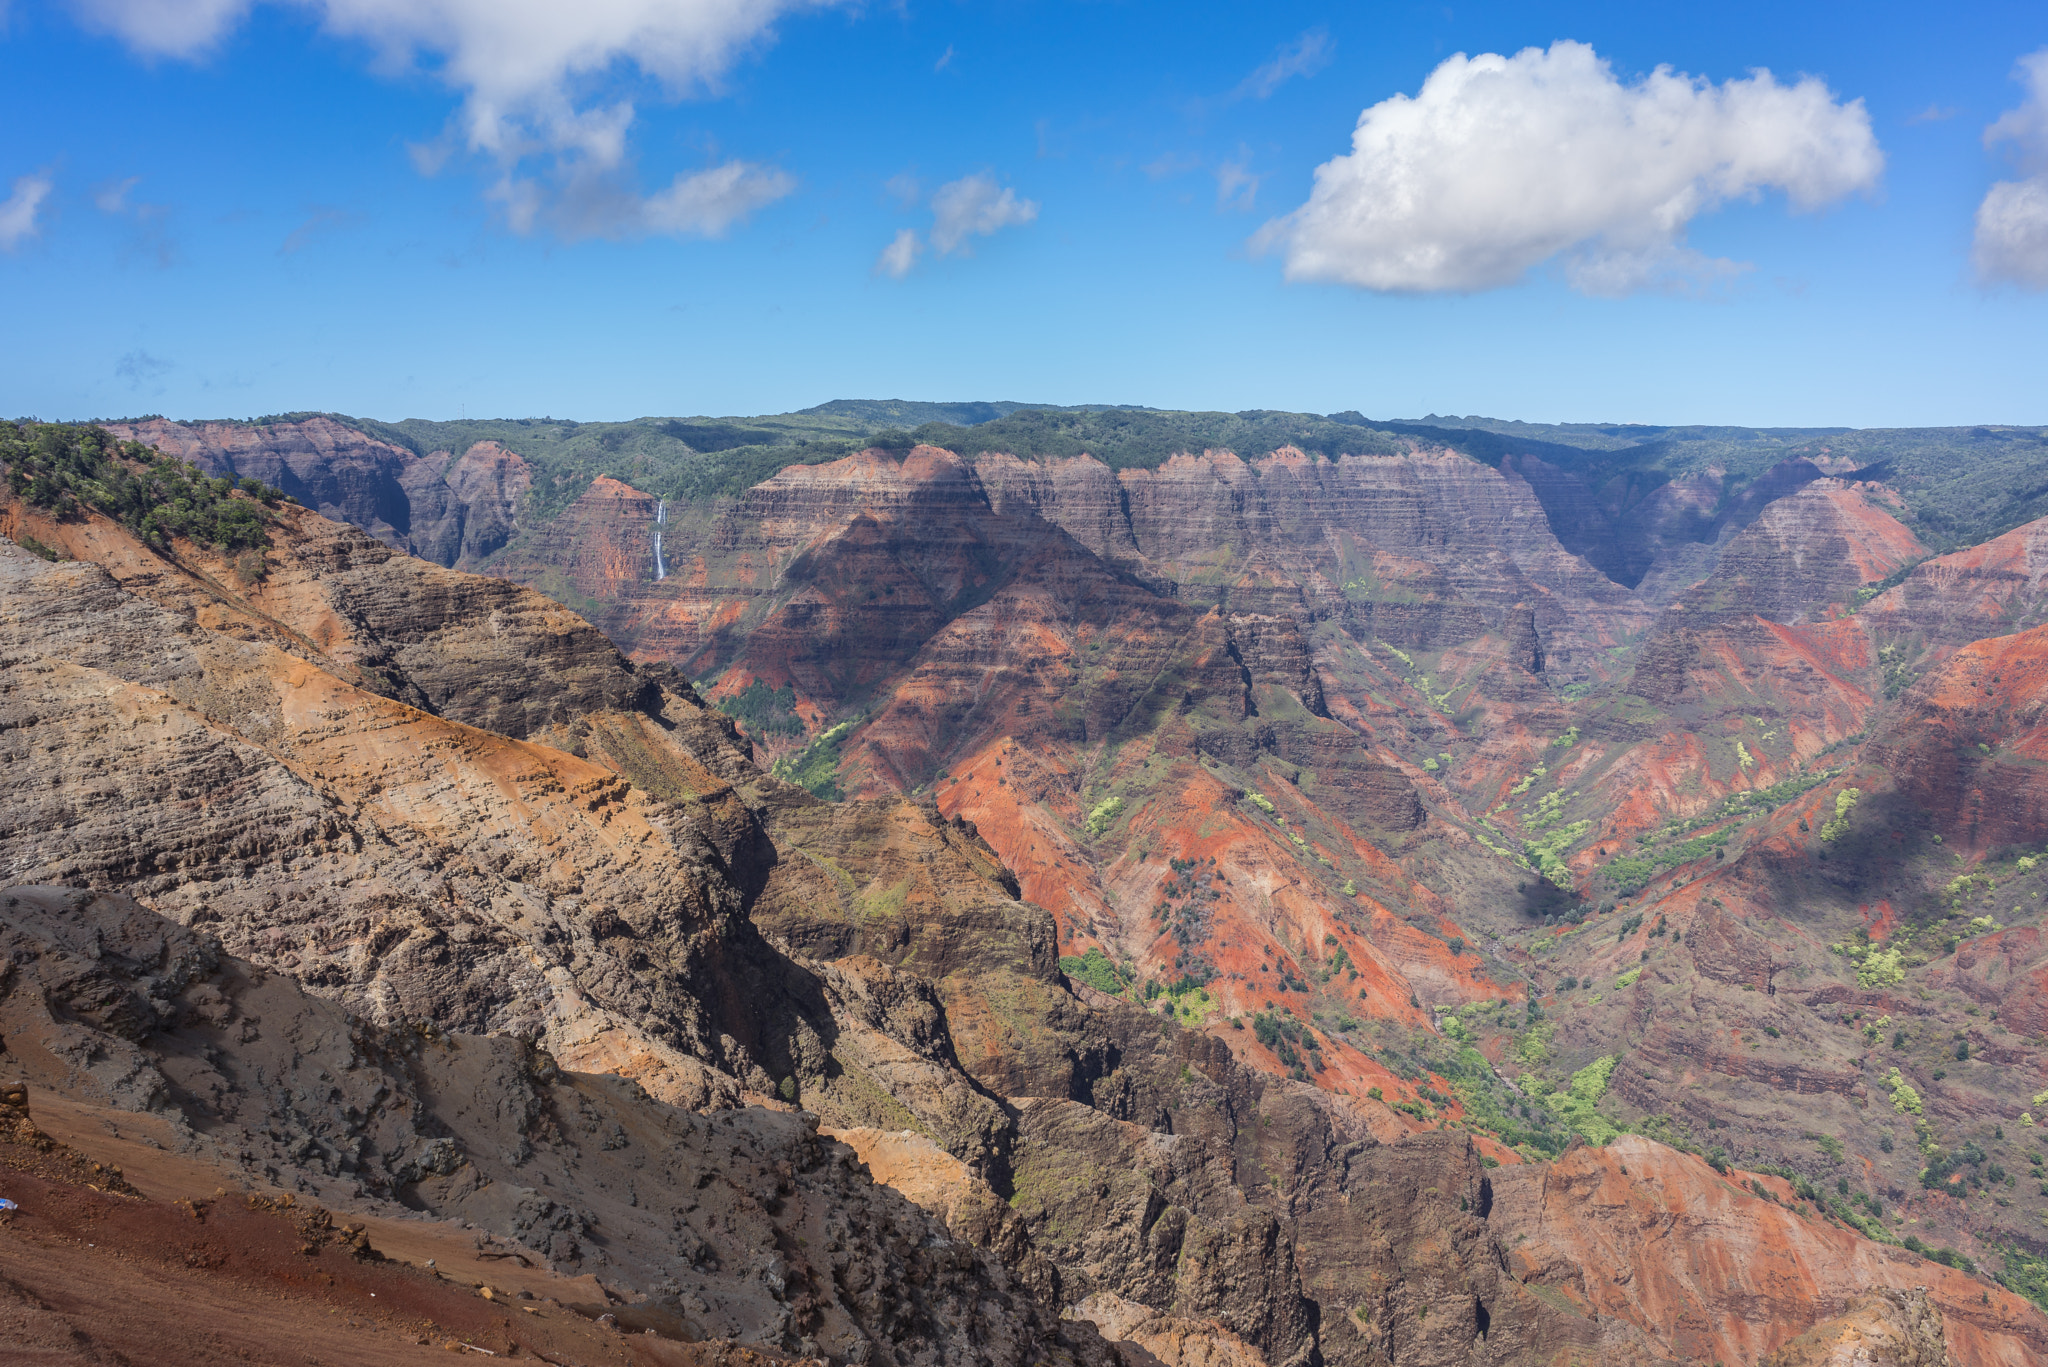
(1884, 585)
(1960, 1170)
(1142, 438)
(1579, 1105)
(764, 711)
(1097, 970)
(1947, 1257)
(1898, 670)
(1105, 813)
(1881, 968)
(1293, 1043)
(2025, 1274)
(1905, 1100)
(1549, 808)
(1576, 1107)
(63, 467)
(1547, 854)
(1845, 803)
(816, 769)
(690, 460)
(1491, 1108)
(1631, 873)
(1961, 485)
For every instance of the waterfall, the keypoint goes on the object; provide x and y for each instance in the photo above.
(660, 516)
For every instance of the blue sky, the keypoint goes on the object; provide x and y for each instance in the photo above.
(226, 209)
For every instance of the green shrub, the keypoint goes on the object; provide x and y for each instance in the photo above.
(1105, 812)
(1097, 970)
(63, 467)
(764, 711)
(1881, 968)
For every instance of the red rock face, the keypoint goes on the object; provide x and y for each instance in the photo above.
(1657, 1239)
(599, 549)
(488, 483)
(1292, 535)
(1994, 589)
(1806, 552)
(1969, 741)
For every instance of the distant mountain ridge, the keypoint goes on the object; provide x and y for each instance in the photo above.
(1960, 486)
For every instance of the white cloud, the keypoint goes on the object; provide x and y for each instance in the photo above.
(900, 255)
(1305, 56)
(18, 211)
(2012, 222)
(2012, 234)
(527, 69)
(974, 206)
(1500, 163)
(708, 203)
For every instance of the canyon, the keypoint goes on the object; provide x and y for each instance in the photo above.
(1454, 899)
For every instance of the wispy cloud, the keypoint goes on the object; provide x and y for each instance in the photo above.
(709, 203)
(1170, 164)
(900, 255)
(1305, 56)
(112, 197)
(151, 239)
(139, 368)
(1236, 186)
(904, 187)
(945, 59)
(1934, 113)
(320, 219)
(19, 211)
